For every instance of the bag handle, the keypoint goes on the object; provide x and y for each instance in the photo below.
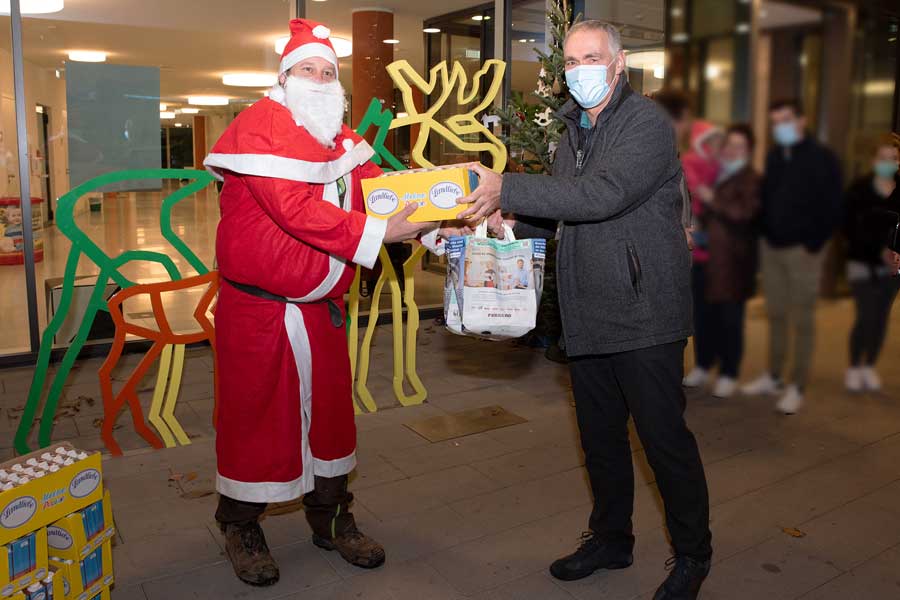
(481, 231)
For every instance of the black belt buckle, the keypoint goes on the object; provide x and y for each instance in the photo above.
(337, 317)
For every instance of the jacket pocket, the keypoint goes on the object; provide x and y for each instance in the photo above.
(635, 271)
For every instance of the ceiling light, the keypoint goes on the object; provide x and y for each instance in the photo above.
(431, 30)
(280, 43)
(478, 18)
(487, 18)
(33, 7)
(208, 100)
(39, 109)
(178, 125)
(742, 28)
(342, 46)
(391, 41)
(531, 40)
(402, 115)
(256, 80)
(87, 56)
(163, 106)
(167, 115)
(189, 111)
(713, 71)
(523, 41)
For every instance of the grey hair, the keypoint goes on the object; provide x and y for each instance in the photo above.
(612, 33)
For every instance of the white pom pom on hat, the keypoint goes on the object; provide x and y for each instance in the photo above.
(321, 32)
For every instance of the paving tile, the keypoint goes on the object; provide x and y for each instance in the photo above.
(851, 534)
(531, 464)
(411, 581)
(175, 550)
(443, 455)
(538, 586)
(301, 566)
(130, 592)
(425, 491)
(141, 489)
(389, 437)
(526, 502)
(774, 570)
(875, 578)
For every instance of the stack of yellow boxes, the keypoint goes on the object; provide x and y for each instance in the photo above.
(56, 527)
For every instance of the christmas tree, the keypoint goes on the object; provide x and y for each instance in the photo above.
(533, 131)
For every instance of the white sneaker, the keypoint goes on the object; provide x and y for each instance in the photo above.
(695, 378)
(764, 384)
(791, 401)
(725, 387)
(853, 379)
(870, 379)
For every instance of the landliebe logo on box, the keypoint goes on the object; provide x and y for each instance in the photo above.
(84, 483)
(383, 201)
(58, 538)
(445, 194)
(18, 512)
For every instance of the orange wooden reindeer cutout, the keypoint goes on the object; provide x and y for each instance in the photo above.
(162, 337)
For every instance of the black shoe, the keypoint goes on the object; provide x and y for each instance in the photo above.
(593, 554)
(684, 580)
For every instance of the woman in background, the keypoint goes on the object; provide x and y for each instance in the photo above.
(872, 215)
(730, 210)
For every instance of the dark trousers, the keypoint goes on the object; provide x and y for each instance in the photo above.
(873, 307)
(645, 384)
(718, 329)
(327, 508)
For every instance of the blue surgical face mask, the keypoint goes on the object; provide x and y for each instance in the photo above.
(588, 84)
(786, 134)
(730, 167)
(886, 169)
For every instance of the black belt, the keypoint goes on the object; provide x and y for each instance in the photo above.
(337, 315)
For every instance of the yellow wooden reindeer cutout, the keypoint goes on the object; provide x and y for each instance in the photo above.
(439, 88)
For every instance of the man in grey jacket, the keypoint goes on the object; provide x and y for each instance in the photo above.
(615, 202)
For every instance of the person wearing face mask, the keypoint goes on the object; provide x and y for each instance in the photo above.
(872, 215)
(731, 209)
(801, 208)
(624, 278)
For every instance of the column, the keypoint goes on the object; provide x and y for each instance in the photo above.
(371, 26)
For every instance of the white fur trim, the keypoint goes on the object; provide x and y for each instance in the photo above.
(336, 467)
(307, 51)
(433, 241)
(321, 32)
(336, 265)
(278, 94)
(264, 491)
(347, 144)
(299, 339)
(268, 165)
(370, 242)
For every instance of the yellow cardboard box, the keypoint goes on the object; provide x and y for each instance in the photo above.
(9, 586)
(436, 190)
(74, 585)
(40, 502)
(66, 538)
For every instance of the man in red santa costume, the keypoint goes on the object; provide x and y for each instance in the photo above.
(293, 225)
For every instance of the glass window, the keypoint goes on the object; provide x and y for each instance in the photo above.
(13, 296)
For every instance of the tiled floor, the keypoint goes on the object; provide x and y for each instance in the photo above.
(481, 517)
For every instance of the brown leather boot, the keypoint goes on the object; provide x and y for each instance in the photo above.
(249, 554)
(333, 525)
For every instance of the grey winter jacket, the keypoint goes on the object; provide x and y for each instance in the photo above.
(623, 264)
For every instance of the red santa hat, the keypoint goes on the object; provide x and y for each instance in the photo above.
(308, 39)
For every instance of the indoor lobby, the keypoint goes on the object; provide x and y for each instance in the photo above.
(470, 468)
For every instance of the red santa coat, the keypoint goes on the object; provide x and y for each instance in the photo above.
(285, 404)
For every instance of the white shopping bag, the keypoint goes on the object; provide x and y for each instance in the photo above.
(493, 287)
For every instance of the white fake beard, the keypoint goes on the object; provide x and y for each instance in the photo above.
(319, 107)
